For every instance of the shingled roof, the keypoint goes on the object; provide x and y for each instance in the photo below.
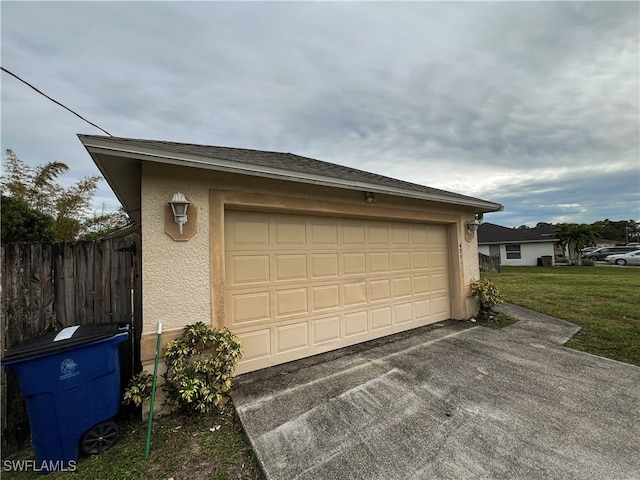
(496, 234)
(265, 163)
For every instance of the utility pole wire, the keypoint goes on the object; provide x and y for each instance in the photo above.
(53, 100)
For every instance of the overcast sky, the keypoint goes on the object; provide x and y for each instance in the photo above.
(531, 105)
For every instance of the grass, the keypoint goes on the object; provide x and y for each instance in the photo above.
(181, 448)
(604, 301)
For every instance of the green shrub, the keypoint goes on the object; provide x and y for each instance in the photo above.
(138, 390)
(488, 295)
(200, 369)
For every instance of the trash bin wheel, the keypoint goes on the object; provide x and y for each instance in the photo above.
(99, 438)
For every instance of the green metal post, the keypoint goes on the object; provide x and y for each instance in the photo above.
(153, 391)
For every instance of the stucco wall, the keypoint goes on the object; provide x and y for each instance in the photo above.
(176, 277)
(179, 286)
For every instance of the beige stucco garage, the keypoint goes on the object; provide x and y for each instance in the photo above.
(295, 255)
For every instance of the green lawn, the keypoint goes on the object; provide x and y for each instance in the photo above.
(605, 301)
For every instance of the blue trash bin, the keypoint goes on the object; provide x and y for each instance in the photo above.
(71, 384)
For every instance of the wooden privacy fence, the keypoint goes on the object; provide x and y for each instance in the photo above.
(489, 264)
(46, 287)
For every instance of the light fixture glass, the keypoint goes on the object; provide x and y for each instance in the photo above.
(179, 205)
(472, 226)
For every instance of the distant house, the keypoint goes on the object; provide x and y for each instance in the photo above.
(516, 247)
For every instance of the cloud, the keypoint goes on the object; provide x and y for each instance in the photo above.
(532, 104)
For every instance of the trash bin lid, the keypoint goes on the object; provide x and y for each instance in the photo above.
(68, 337)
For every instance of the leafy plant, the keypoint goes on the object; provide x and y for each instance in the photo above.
(488, 295)
(138, 390)
(200, 368)
(196, 381)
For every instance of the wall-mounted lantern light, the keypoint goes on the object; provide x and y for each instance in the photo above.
(179, 205)
(472, 226)
(369, 197)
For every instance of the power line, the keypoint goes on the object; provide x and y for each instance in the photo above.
(53, 100)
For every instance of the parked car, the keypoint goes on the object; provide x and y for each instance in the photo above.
(631, 258)
(604, 252)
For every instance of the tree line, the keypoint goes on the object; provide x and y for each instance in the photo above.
(36, 208)
(620, 231)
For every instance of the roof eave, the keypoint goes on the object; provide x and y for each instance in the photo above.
(95, 146)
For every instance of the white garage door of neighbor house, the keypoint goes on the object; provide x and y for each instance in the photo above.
(298, 285)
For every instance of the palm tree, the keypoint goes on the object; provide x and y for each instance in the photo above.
(573, 237)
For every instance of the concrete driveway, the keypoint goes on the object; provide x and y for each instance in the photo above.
(448, 401)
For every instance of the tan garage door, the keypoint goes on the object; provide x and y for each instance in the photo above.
(298, 285)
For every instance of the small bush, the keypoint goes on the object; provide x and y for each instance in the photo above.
(200, 368)
(197, 382)
(488, 295)
(586, 262)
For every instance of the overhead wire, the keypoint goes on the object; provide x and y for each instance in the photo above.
(54, 100)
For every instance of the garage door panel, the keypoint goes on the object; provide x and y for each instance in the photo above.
(250, 307)
(380, 290)
(440, 308)
(381, 318)
(324, 265)
(291, 267)
(401, 287)
(250, 231)
(421, 284)
(439, 283)
(354, 263)
(326, 330)
(324, 297)
(437, 260)
(324, 233)
(403, 313)
(400, 236)
(422, 310)
(353, 234)
(292, 337)
(401, 261)
(354, 293)
(419, 237)
(291, 302)
(419, 260)
(378, 235)
(356, 323)
(437, 238)
(379, 262)
(249, 269)
(301, 285)
(291, 232)
(256, 344)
